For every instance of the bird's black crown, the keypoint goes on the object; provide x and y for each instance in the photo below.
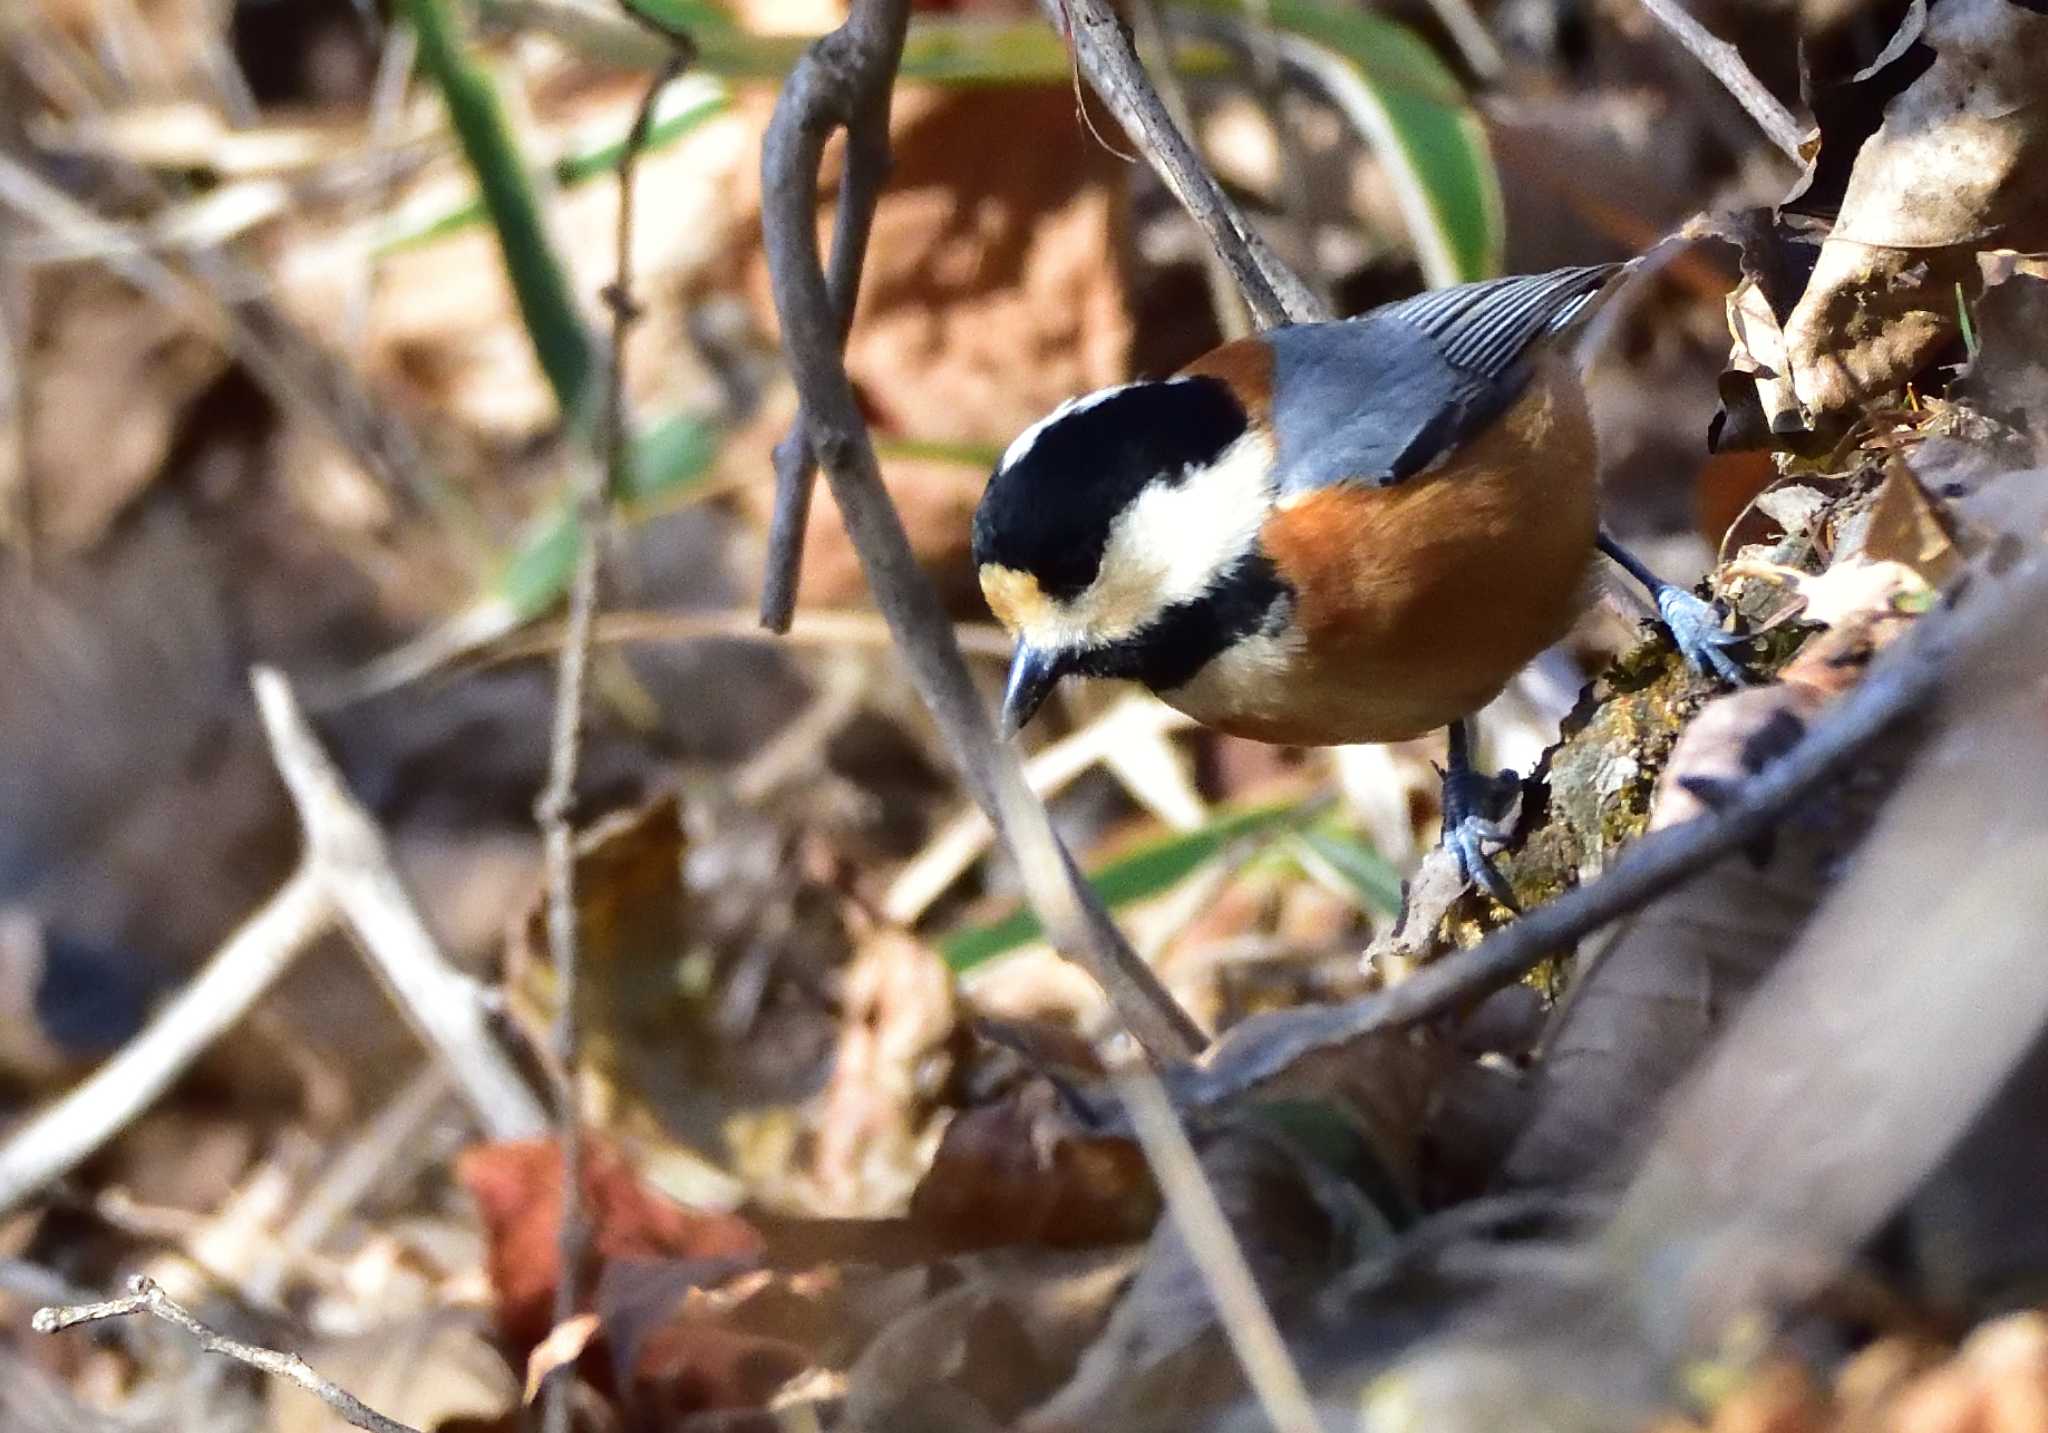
(1048, 511)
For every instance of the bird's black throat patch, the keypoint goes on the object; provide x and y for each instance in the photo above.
(1049, 513)
(1252, 598)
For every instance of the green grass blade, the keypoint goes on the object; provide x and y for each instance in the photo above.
(683, 107)
(941, 49)
(668, 462)
(1151, 869)
(1410, 107)
(561, 341)
(939, 450)
(1368, 875)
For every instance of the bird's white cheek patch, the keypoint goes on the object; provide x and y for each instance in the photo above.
(1177, 539)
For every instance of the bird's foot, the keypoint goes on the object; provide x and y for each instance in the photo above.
(1708, 647)
(1481, 810)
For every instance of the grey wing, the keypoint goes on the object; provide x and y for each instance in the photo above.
(1382, 397)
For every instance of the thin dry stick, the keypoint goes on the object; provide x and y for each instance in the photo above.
(594, 489)
(1274, 292)
(823, 91)
(818, 627)
(1155, 42)
(230, 307)
(1906, 680)
(347, 852)
(863, 113)
(392, 1136)
(56, 1141)
(146, 1297)
(1241, 1309)
(1725, 63)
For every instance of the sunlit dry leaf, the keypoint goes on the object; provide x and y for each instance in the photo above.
(1997, 1383)
(1852, 589)
(1907, 527)
(1760, 353)
(434, 1372)
(564, 1344)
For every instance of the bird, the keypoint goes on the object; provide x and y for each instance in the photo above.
(1328, 533)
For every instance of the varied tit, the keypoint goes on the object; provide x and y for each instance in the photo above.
(1325, 533)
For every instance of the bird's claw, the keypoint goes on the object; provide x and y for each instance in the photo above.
(1696, 630)
(1475, 806)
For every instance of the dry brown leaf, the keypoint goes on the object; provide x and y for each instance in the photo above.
(874, 1123)
(1759, 353)
(517, 1186)
(1024, 1170)
(680, 1344)
(1853, 589)
(443, 333)
(693, 1366)
(109, 379)
(1162, 1361)
(986, 1348)
(991, 294)
(690, 1051)
(1906, 526)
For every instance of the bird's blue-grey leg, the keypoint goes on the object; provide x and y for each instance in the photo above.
(1694, 622)
(1474, 804)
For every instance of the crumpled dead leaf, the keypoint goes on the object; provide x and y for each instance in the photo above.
(1162, 1360)
(1025, 1170)
(987, 1348)
(1957, 163)
(682, 1342)
(517, 1186)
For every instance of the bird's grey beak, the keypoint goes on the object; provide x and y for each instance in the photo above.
(1034, 672)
